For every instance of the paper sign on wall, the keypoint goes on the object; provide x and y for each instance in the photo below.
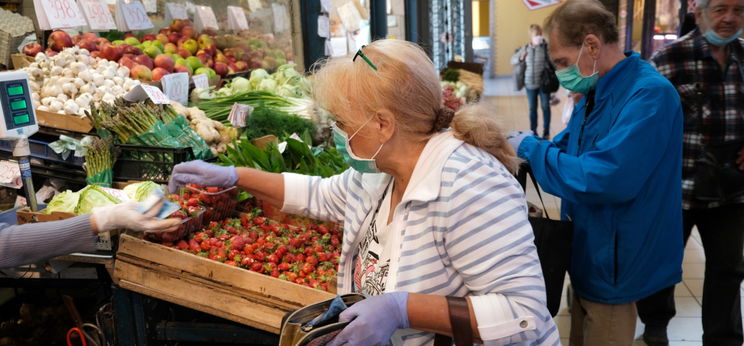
(175, 11)
(57, 14)
(176, 86)
(131, 15)
(236, 20)
(201, 81)
(254, 5)
(98, 15)
(151, 6)
(324, 26)
(280, 17)
(325, 6)
(350, 16)
(143, 92)
(204, 18)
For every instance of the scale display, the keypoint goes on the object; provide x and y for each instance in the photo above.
(18, 116)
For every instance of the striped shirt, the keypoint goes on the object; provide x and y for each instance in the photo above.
(461, 229)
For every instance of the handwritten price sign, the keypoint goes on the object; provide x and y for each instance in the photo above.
(135, 15)
(176, 86)
(205, 19)
(55, 14)
(236, 20)
(201, 81)
(98, 14)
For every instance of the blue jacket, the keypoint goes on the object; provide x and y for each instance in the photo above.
(621, 186)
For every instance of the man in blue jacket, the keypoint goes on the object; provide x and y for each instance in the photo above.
(617, 169)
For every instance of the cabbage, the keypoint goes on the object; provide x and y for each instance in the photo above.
(92, 197)
(257, 76)
(240, 84)
(65, 202)
(140, 191)
(267, 85)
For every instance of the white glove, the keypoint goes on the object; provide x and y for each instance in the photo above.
(126, 216)
(515, 138)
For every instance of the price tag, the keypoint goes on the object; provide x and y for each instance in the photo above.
(324, 26)
(151, 6)
(239, 114)
(10, 174)
(143, 92)
(176, 86)
(175, 11)
(254, 5)
(325, 6)
(204, 18)
(201, 81)
(280, 17)
(57, 14)
(98, 15)
(134, 14)
(236, 20)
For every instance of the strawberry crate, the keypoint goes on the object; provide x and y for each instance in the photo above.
(233, 293)
(219, 202)
(189, 224)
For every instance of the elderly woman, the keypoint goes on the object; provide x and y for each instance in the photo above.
(445, 219)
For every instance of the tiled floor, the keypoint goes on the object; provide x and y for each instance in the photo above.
(686, 328)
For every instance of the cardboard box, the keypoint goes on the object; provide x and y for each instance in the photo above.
(21, 60)
(237, 294)
(64, 121)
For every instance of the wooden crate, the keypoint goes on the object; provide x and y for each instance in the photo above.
(233, 293)
(64, 121)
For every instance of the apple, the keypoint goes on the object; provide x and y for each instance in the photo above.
(93, 54)
(162, 38)
(219, 57)
(32, 49)
(165, 62)
(144, 60)
(157, 43)
(88, 35)
(210, 48)
(170, 48)
(191, 45)
(141, 72)
(158, 73)
(88, 44)
(183, 68)
(177, 24)
(59, 40)
(118, 42)
(194, 62)
(204, 40)
(241, 65)
(128, 35)
(111, 52)
(100, 41)
(183, 52)
(188, 31)
(233, 52)
(220, 68)
(127, 49)
(173, 37)
(204, 57)
(128, 62)
(152, 51)
(211, 75)
(132, 41)
(148, 37)
(164, 31)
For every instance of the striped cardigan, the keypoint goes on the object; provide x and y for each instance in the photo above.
(461, 229)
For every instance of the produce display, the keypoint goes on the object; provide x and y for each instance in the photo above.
(99, 162)
(216, 134)
(81, 202)
(14, 23)
(218, 202)
(306, 256)
(72, 81)
(450, 96)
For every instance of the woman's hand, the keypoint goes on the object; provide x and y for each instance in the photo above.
(126, 216)
(201, 173)
(373, 320)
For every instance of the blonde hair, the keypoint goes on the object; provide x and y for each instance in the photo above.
(407, 84)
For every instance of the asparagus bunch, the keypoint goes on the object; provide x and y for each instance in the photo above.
(127, 119)
(98, 157)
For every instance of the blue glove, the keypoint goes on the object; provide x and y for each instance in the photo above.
(201, 173)
(515, 138)
(373, 320)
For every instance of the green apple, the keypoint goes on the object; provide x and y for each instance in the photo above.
(194, 62)
(132, 41)
(152, 51)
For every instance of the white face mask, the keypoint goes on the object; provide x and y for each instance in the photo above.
(537, 40)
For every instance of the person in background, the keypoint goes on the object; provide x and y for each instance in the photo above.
(445, 220)
(33, 242)
(707, 68)
(535, 54)
(615, 168)
(688, 19)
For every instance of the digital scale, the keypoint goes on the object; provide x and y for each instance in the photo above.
(18, 123)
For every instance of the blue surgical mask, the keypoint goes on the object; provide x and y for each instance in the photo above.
(718, 40)
(342, 141)
(572, 79)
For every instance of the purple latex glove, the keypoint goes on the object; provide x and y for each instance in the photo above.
(201, 173)
(373, 320)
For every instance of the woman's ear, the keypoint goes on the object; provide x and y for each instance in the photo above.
(386, 122)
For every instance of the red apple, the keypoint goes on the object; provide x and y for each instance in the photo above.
(88, 44)
(241, 65)
(141, 72)
(204, 57)
(233, 52)
(165, 62)
(144, 60)
(164, 31)
(220, 68)
(177, 24)
(204, 40)
(163, 38)
(89, 35)
(182, 68)
(183, 52)
(129, 34)
(210, 48)
(32, 49)
(170, 48)
(129, 49)
(95, 54)
(111, 52)
(188, 31)
(158, 73)
(128, 62)
(100, 41)
(148, 37)
(59, 40)
(174, 37)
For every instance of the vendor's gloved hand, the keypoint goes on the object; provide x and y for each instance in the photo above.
(515, 138)
(373, 320)
(126, 216)
(201, 173)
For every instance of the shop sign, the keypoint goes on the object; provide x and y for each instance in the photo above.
(535, 4)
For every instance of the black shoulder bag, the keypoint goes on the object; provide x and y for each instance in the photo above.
(553, 241)
(717, 177)
(548, 81)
